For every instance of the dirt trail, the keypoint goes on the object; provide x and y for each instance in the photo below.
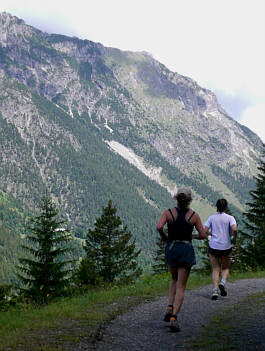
(142, 328)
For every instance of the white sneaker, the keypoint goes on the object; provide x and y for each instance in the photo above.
(215, 294)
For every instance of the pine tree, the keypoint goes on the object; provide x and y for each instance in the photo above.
(254, 221)
(87, 274)
(237, 264)
(43, 272)
(160, 264)
(202, 248)
(110, 250)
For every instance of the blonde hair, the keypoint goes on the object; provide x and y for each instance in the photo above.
(183, 201)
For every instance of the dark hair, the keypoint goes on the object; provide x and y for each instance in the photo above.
(221, 205)
(183, 201)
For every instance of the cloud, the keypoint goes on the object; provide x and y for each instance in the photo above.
(234, 104)
(254, 118)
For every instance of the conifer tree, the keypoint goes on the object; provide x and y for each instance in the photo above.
(110, 250)
(254, 221)
(160, 264)
(87, 274)
(44, 273)
(203, 248)
(237, 262)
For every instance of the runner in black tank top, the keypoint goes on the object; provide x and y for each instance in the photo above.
(179, 250)
(180, 228)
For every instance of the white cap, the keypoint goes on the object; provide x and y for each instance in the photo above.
(185, 191)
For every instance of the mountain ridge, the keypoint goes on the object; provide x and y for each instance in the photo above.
(91, 123)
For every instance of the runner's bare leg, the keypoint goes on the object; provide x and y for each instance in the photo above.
(182, 275)
(215, 270)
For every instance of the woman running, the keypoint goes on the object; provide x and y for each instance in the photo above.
(222, 227)
(179, 251)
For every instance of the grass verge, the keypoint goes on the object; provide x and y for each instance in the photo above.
(70, 321)
(242, 332)
(237, 327)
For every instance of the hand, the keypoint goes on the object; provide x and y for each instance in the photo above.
(233, 240)
(163, 239)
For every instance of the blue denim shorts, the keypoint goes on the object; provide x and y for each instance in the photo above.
(180, 255)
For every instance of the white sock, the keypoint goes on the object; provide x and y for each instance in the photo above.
(223, 281)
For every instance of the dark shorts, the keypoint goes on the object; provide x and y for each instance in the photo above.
(180, 255)
(219, 253)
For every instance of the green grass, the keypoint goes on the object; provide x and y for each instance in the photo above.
(223, 327)
(70, 320)
(230, 330)
(246, 275)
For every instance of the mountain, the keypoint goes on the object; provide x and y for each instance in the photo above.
(90, 123)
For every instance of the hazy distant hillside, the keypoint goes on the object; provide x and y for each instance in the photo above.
(92, 123)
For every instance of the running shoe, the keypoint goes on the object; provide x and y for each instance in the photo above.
(168, 313)
(214, 294)
(174, 326)
(222, 288)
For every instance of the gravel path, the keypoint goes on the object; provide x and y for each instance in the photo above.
(143, 329)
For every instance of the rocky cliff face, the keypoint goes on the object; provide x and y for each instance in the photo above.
(193, 127)
(65, 102)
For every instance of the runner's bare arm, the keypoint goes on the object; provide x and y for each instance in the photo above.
(160, 226)
(201, 230)
(234, 232)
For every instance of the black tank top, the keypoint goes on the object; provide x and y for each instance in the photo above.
(180, 228)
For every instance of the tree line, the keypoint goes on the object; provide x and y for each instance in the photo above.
(249, 251)
(46, 272)
(111, 256)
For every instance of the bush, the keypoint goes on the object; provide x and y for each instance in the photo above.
(6, 298)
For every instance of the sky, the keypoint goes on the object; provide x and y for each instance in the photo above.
(218, 43)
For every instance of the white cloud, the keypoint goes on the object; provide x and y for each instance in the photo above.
(254, 118)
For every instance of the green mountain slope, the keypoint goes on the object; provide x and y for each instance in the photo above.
(91, 123)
